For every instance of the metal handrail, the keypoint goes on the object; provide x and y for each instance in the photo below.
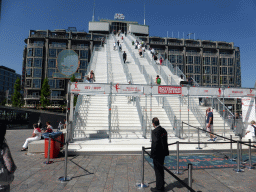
(115, 121)
(109, 64)
(141, 116)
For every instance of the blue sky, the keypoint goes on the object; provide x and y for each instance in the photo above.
(218, 20)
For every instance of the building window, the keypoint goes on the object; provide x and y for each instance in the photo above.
(189, 59)
(230, 71)
(36, 83)
(197, 69)
(59, 84)
(28, 73)
(207, 79)
(230, 61)
(58, 51)
(197, 60)
(214, 60)
(189, 69)
(215, 79)
(52, 63)
(56, 93)
(52, 83)
(223, 61)
(83, 54)
(28, 83)
(198, 78)
(231, 80)
(207, 70)
(179, 59)
(50, 73)
(181, 68)
(214, 70)
(225, 80)
(38, 52)
(37, 72)
(83, 64)
(30, 52)
(223, 70)
(52, 52)
(172, 58)
(38, 62)
(29, 62)
(206, 60)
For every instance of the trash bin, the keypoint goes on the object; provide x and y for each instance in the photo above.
(54, 145)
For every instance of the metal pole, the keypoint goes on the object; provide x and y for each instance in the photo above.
(188, 118)
(224, 113)
(250, 167)
(48, 152)
(178, 158)
(190, 167)
(109, 111)
(151, 108)
(231, 150)
(142, 184)
(182, 129)
(198, 139)
(238, 159)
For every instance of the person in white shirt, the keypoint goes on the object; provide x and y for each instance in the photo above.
(250, 131)
(36, 135)
(114, 46)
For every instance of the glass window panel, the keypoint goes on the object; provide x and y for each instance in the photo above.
(197, 60)
(214, 60)
(38, 62)
(215, 79)
(37, 72)
(83, 54)
(189, 59)
(206, 60)
(230, 61)
(223, 61)
(28, 83)
(52, 83)
(36, 83)
(52, 52)
(207, 70)
(59, 84)
(38, 52)
(223, 70)
(173, 58)
(181, 68)
(189, 69)
(83, 64)
(58, 51)
(214, 70)
(52, 63)
(197, 69)
(179, 59)
(198, 78)
(29, 62)
(230, 70)
(30, 52)
(50, 73)
(56, 93)
(28, 72)
(225, 80)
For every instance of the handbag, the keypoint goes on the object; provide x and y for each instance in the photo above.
(5, 176)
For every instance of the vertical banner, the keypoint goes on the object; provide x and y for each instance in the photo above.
(248, 109)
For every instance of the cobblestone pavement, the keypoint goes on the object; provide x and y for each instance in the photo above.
(110, 173)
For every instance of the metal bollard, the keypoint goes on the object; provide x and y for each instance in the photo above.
(142, 184)
(250, 167)
(198, 139)
(178, 172)
(238, 159)
(190, 167)
(231, 150)
(48, 152)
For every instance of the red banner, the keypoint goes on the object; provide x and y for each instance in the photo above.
(169, 90)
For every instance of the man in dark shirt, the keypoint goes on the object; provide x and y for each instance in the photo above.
(159, 149)
(209, 124)
(124, 56)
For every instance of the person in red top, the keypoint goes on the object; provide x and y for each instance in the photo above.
(161, 61)
(36, 135)
(49, 128)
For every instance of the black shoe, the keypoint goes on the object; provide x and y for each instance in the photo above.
(156, 190)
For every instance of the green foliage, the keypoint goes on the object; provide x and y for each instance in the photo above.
(17, 97)
(3, 102)
(45, 92)
(73, 78)
(75, 99)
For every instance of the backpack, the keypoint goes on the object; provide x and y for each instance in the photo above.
(158, 81)
(5, 176)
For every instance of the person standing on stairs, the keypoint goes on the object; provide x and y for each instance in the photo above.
(117, 43)
(114, 46)
(124, 56)
(209, 124)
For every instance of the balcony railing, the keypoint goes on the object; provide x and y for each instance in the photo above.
(35, 45)
(193, 53)
(81, 38)
(157, 42)
(57, 45)
(192, 44)
(173, 43)
(38, 35)
(209, 46)
(58, 36)
(79, 47)
(225, 47)
(32, 97)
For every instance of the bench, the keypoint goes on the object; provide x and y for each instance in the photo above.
(36, 146)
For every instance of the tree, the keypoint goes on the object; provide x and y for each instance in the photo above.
(73, 79)
(17, 97)
(45, 92)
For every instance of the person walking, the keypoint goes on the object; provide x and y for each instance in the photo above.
(250, 131)
(6, 159)
(124, 56)
(161, 60)
(209, 124)
(120, 47)
(114, 46)
(158, 80)
(159, 149)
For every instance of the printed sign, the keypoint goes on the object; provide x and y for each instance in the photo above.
(169, 90)
(87, 87)
(119, 16)
(123, 89)
(234, 92)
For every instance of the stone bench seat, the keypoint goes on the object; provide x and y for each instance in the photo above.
(36, 146)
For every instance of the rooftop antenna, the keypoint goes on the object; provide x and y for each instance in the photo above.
(93, 11)
(144, 14)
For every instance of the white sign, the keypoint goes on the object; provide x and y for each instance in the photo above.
(234, 92)
(248, 109)
(119, 16)
(130, 89)
(87, 87)
(202, 91)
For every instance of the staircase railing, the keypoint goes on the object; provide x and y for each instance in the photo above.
(141, 117)
(115, 131)
(109, 65)
(92, 63)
